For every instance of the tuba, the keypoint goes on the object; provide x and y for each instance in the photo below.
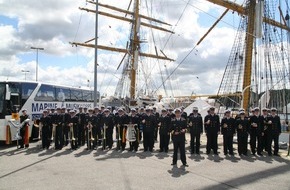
(131, 132)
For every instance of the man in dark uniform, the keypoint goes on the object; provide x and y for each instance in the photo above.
(264, 118)
(255, 133)
(121, 120)
(99, 125)
(81, 126)
(242, 125)
(24, 130)
(195, 124)
(228, 130)
(134, 121)
(178, 129)
(156, 114)
(108, 122)
(149, 123)
(140, 114)
(212, 128)
(65, 119)
(273, 132)
(73, 129)
(45, 122)
(57, 120)
(164, 130)
(90, 122)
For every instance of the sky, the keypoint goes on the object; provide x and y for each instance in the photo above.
(53, 24)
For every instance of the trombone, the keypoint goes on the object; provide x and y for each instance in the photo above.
(104, 136)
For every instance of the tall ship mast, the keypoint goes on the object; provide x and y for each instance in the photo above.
(133, 51)
(257, 71)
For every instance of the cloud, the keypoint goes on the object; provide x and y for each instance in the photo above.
(53, 24)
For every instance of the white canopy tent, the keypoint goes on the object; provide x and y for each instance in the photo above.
(202, 106)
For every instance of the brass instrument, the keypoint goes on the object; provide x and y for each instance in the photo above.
(118, 137)
(131, 132)
(72, 132)
(104, 136)
(90, 127)
(53, 131)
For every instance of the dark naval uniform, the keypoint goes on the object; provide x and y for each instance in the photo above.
(135, 121)
(91, 124)
(274, 130)
(255, 135)
(121, 121)
(23, 130)
(178, 129)
(212, 129)
(195, 125)
(81, 128)
(108, 122)
(57, 119)
(73, 130)
(264, 119)
(228, 130)
(164, 132)
(242, 126)
(46, 131)
(149, 124)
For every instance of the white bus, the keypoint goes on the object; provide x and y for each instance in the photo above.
(35, 97)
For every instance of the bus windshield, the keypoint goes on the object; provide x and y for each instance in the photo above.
(2, 97)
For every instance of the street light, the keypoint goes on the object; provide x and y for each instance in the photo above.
(36, 69)
(23, 71)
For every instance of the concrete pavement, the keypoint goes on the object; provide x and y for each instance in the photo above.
(81, 169)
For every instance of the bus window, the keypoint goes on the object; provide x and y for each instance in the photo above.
(62, 94)
(14, 101)
(2, 98)
(76, 95)
(45, 93)
(87, 96)
(27, 89)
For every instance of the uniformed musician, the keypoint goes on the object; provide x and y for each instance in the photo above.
(134, 121)
(45, 122)
(212, 129)
(195, 125)
(24, 130)
(228, 130)
(242, 125)
(274, 132)
(164, 130)
(178, 129)
(149, 123)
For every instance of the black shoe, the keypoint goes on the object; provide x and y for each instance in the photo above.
(260, 154)
(173, 164)
(160, 150)
(276, 154)
(185, 165)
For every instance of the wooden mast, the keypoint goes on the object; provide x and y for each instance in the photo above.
(135, 44)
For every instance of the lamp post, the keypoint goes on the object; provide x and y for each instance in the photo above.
(36, 69)
(24, 71)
